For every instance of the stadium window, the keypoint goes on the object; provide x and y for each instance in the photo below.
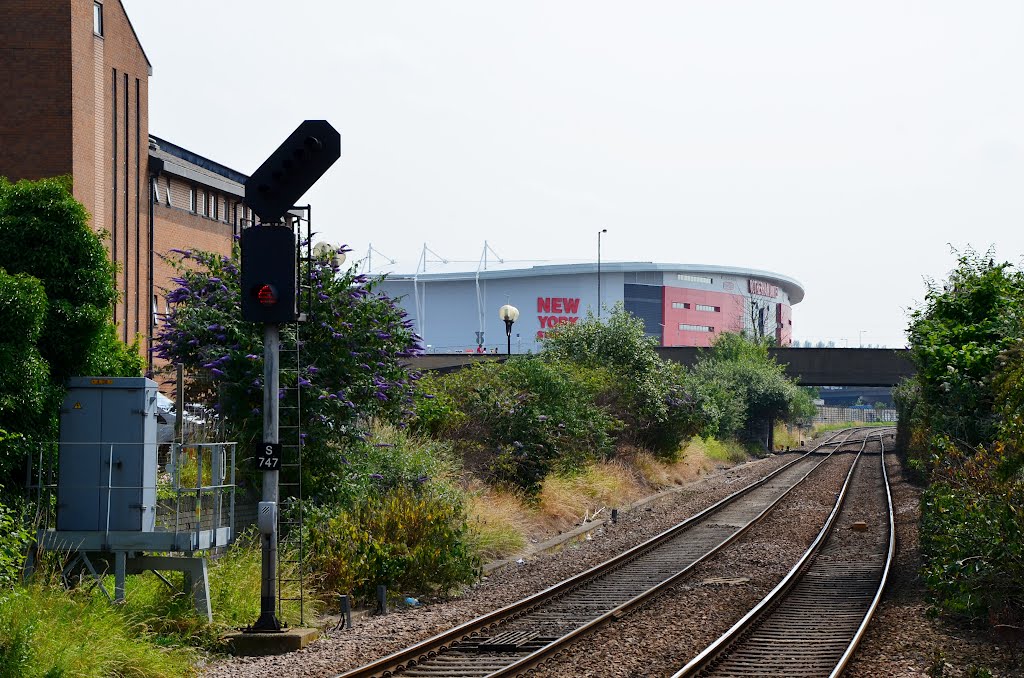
(97, 18)
(710, 309)
(695, 328)
(680, 304)
(686, 277)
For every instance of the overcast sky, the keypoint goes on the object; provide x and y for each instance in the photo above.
(849, 145)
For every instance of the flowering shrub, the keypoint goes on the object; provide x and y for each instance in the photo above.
(348, 368)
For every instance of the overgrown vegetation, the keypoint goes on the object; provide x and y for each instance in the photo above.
(598, 387)
(962, 427)
(593, 420)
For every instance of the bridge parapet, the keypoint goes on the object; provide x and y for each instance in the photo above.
(809, 366)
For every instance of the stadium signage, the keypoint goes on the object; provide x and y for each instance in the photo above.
(763, 289)
(554, 311)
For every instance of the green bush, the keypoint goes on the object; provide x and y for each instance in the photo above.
(14, 539)
(649, 396)
(412, 540)
(973, 547)
(530, 417)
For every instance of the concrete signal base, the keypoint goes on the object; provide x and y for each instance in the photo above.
(260, 644)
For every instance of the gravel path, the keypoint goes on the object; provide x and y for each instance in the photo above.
(902, 641)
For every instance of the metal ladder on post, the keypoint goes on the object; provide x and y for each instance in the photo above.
(291, 566)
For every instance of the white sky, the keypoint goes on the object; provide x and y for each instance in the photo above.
(846, 144)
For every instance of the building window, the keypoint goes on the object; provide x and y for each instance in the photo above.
(191, 199)
(167, 194)
(680, 304)
(696, 328)
(97, 18)
(686, 277)
(710, 309)
(205, 202)
(156, 312)
(156, 190)
(214, 207)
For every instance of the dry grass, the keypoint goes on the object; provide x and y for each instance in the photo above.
(500, 521)
(504, 523)
(566, 501)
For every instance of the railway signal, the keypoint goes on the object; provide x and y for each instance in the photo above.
(269, 274)
(269, 283)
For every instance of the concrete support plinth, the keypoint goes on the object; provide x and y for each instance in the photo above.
(259, 644)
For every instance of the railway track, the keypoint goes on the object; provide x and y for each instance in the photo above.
(524, 634)
(811, 623)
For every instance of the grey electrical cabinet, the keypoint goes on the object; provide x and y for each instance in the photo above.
(107, 459)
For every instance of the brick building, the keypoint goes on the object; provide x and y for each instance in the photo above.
(75, 84)
(196, 203)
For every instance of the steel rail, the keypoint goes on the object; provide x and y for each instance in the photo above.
(845, 659)
(408, 658)
(712, 654)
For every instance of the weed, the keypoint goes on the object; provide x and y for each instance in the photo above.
(46, 631)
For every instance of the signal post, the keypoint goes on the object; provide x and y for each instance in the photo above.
(269, 289)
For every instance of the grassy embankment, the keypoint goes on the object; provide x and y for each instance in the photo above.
(504, 523)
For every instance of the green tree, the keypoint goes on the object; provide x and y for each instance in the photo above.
(56, 296)
(750, 389)
(955, 339)
(46, 235)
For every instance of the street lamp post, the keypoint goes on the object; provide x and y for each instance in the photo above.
(603, 230)
(509, 314)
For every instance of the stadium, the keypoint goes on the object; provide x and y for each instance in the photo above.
(680, 305)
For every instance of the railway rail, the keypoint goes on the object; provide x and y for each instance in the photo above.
(811, 623)
(511, 640)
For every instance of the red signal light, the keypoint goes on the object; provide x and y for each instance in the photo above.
(266, 295)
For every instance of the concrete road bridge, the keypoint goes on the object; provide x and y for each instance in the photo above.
(809, 366)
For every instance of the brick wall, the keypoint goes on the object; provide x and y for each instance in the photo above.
(36, 105)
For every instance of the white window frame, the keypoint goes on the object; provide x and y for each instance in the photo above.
(97, 18)
(691, 277)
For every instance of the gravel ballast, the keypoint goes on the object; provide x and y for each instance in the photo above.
(659, 638)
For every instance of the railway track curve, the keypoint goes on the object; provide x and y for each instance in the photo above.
(517, 637)
(812, 622)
